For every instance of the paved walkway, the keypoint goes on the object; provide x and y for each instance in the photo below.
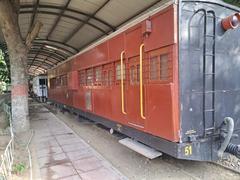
(61, 154)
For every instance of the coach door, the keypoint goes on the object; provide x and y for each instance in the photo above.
(133, 94)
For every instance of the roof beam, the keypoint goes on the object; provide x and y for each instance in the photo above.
(88, 19)
(57, 42)
(65, 51)
(67, 16)
(40, 60)
(44, 60)
(56, 61)
(45, 54)
(53, 27)
(41, 64)
(58, 19)
(33, 15)
(47, 62)
(39, 69)
(45, 66)
(80, 26)
(56, 54)
(70, 10)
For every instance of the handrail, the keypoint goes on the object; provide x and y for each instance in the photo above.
(122, 84)
(141, 80)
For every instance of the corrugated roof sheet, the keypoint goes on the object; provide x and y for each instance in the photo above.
(71, 25)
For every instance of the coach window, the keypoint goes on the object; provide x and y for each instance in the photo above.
(105, 78)
(52, 83)
(110, 77)
(89, 77)
(164, 67)
(138, 73)
(98, 75)
(118, 71)
(154, 68)
(82, 78)
(61, 80)
(55, 82)
(64, 80)
(58, 81)
(42, 81)
(132, 74)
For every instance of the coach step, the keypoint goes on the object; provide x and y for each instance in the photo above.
(140, 148)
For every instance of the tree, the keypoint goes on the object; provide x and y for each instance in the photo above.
(233, 2)
(17, 50)
(4, 67)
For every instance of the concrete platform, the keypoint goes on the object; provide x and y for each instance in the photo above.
(61, 154)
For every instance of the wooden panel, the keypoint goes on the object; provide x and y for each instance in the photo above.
(117, 114)
(63, 68)
(100, 96)
(133, 41)
(79, 99)
(160, 121)
(73, 81)
(97, 55)
(116, 46)
(163, 26)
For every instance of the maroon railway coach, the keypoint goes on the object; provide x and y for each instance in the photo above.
(168, 79)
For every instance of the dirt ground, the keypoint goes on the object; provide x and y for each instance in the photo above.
(135, 166)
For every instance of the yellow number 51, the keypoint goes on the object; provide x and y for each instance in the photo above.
(188, 150)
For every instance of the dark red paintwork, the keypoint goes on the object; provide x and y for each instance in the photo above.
(161, 99)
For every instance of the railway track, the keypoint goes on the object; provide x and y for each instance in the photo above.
(226, 167)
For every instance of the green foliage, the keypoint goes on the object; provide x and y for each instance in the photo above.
(4, 68)
(19, 168)
(233, 2)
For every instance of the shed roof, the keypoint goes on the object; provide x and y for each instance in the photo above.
(71, 25)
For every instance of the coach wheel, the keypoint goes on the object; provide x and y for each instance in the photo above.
(111, 131)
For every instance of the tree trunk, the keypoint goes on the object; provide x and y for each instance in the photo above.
(19, 93)
(18, 60)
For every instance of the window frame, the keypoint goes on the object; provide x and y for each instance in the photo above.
(118, 76)
(134, 62)
(91, 77)
(98, 71)
(64, 80)
(53, 83)
(160, 52)
(82, 77)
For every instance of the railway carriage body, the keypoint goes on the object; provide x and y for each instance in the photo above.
(167, 80)
(39, 87)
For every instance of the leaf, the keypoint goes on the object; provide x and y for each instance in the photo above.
(4, 66)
